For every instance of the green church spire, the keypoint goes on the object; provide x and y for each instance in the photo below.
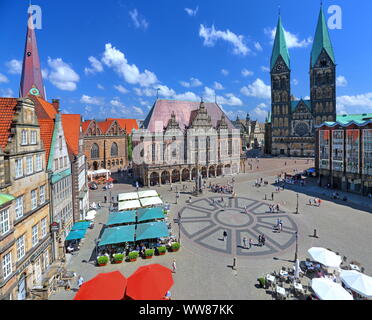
(321, 40)
(280, 46)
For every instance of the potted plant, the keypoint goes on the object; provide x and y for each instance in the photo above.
(132, 256)
(262, 282)
(118, 258)
(102, 260)
(149, 253)
(175, 246)
(162, 250)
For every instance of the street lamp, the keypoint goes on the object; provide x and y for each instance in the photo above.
(296, 253)
(179, 227)
(297, 205)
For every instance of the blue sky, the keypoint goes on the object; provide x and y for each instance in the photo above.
(107, 58)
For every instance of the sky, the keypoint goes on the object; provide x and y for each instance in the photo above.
(108, 58)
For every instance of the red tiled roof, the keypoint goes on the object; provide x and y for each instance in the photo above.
(104, 125)
(127, 124)
(161, 112)
(7, 111)
(44, 109)
(46, 133)
(71, 127)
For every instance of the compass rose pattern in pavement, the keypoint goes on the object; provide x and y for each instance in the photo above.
(204, 221)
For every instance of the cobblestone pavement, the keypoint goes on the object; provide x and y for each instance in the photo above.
(204, 262)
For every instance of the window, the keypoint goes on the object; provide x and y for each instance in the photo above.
(33, 137)
(39, 162)
(7, 265)
(4, 221)
(19, 207)
(55, 164)
(42, 194)
(43, 227)
(20, 247)
(18, 168)
(33, 199)
(94, 152)
(60, 142)
(61, 163)
(24, 137)
(35, 235)
(29, 165)
(65, 161)
(114, 150)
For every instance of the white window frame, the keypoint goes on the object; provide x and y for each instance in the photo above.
(35, 235)
(61, 162)
(43, 227)
(4, 221)
(7, 265)
(29, 165)
(19, 207)
(42, 194)
(33, 199)
(21, 247)
(19, 168)
(55, 164)
(24, 140)
(33, 137)
(39, 162)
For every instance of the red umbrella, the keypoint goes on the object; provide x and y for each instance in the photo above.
(150, 282)
(105, 286)
(110, 180)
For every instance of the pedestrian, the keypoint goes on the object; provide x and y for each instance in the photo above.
(309, 202)
(277, 207)
(263, 240)
(174, 266)
(250, 243)
(80, 281)
(224, 235)
(272, 196)
(105, 197)
(259, 240)
(245, 242)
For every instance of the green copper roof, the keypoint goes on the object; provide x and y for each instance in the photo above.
(321, 40)
(280, 46)
(345, 118)
(4, 198)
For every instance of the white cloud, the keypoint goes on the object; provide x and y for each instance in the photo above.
(341, 81)
(115, 59)
(139, 22)
(265, 69)
(100, 86)
(229, 99)
(211, 35)
(117, 103)
(3, 78)
(6, 93)
(121, 89)
(260, 112)
(295, 82)
(361, 103)
(96, 66)
(257, 89)
(194, 82)
(91, 100)
(292, 40)
(188, 96)
(62, 75)
(191, 12)
(138, 110)
(258, 46)
(218, 86)
(225, 72)
(247, 73)
(14, 66)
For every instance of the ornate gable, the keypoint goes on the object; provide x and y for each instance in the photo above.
(202, 118)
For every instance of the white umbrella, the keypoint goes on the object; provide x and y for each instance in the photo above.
(297, 269)
(91, 215)
(358, 282)
(326, 289)
(325, 257)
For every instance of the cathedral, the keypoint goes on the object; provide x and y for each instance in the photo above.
(293, 121)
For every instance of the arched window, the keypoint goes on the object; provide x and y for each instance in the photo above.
(114, 150)
(94, 152)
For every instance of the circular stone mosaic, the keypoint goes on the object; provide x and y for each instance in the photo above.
(204, 221)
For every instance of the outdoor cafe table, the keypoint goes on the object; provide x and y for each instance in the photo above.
(354, 267)
(280, 290)
(298, 287)
(283, 273)
(270, 278)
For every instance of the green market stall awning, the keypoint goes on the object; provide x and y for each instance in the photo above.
(76, 234)
(81, 226)
(151, 230)
(121, 217)
(150, 214)
(117, 235)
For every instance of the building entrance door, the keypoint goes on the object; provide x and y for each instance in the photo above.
(22, 288)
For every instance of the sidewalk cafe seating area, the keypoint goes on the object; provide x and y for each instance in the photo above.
(76, 234)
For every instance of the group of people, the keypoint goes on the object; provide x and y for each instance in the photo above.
(258, 182)
(315, 202)
(226, 189)
(247, 244)
(274, 208)
(279, 226)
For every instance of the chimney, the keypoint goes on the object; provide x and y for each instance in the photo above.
(55, 103)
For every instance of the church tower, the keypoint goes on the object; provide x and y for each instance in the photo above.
(31, 80)
(323, 74)
(280, 90)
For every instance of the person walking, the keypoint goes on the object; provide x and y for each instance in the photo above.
(250, 243)
(263, 240)
(272, 196)
(245, 242)
(105, 197)
(174, 266)
(259, 240)
(277, 207)
(224, 235)
(80, 281)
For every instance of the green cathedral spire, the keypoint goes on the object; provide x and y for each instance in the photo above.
(280, 46)
(321, 40)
